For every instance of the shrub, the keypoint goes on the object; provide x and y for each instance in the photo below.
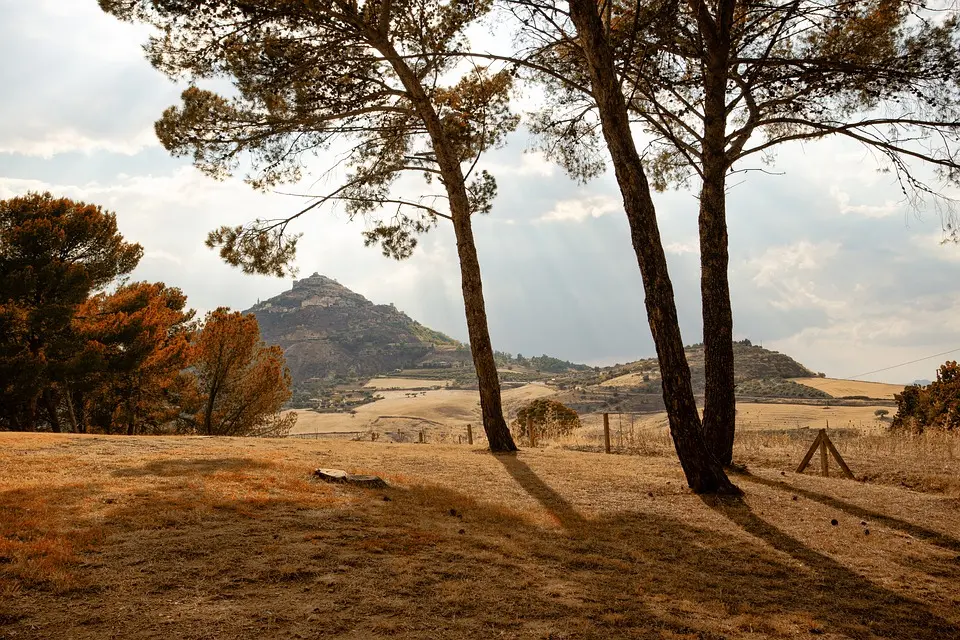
(550, 418)
(936, 406)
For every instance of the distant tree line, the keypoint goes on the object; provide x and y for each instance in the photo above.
(83, 350)
(543, 363)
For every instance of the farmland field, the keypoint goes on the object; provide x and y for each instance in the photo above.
(442, 412)
(840, 388)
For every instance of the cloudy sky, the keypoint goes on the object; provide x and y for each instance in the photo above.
(827, 263)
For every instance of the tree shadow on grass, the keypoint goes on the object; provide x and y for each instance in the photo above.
(193, 466)
(428, 562)
(921, 533)
(679, 565)
(841, 598)
(555, 504)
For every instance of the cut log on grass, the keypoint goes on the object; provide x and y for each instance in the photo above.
(340, 476)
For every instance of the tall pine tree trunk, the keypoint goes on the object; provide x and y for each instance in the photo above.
(494, 424)
(488, 381)
(720, 408)
(704, 474)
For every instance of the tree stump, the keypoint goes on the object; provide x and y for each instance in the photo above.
(340, 476)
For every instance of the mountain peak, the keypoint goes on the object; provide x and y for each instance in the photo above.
(315, 280)
(325, 328)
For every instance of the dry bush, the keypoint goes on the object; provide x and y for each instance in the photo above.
(550, 418)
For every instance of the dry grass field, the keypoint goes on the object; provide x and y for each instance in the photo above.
(442, 414)
(776, 436)
(841, 388)
(630, 379)
(230, 538)
(406, 383)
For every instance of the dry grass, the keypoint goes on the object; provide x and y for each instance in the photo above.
(445, 413)
(778, 436)
(406, 383)
(631, 379)
(841, 388)
(228, 538)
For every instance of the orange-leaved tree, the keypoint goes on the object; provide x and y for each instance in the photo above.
(241, 382)
(53, 253)
(935, 406)
(136, 347)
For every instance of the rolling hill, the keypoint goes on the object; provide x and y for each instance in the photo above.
(325, 328)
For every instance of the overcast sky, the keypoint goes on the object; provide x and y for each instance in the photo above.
(827, 264)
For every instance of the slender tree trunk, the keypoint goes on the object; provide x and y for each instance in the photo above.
(71, 414)
(704, 474)
(720, 408)
(50, 402)
(494, 424)
(488, 381)
(80, 412)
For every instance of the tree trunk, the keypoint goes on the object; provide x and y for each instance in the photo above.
(50, 402)
(491, 408)
(704, 474)
(494, 424)
(71, 414)
(720, 408)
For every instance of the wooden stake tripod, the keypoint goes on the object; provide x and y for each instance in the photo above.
(824, 444)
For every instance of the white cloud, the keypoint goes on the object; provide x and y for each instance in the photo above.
(534, 163)
(680, 248)
(48, 143)
(843, 198)
(581, 209)
(875, 334)
(162, 255)
(777, 264)
(932, 245)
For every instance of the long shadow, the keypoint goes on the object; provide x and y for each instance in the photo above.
(638, 543)
(398, 563)
(194, 466)
(849, 602)
(552, 501)
(927, 535)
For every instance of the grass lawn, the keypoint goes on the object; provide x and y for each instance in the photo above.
(231, 538)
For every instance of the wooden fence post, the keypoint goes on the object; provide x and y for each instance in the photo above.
(606, 432)
(421, 436)
(469, 434)
(824, 461)
(533, 436)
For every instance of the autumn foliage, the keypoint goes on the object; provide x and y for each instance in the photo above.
(81, 351)
(242, 382)
(935, 406)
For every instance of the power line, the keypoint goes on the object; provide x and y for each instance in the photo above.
(903, 364)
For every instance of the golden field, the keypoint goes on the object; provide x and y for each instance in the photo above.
(231, 538)
(840, 388)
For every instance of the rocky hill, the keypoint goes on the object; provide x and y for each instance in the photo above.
(325, 328)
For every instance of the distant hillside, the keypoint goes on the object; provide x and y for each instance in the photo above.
(751, 363)
(325, 328)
